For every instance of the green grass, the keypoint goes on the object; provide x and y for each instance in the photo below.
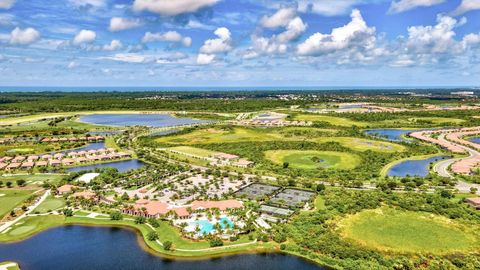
(319, 203)
(30, 226)
(336, 121)
(307, 159)
(33, 179)
(391, 230)
(14, 265)
(358, 144)
(50, 204)
(418, 120)
(11, 198)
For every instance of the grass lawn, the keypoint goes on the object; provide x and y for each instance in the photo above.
(319, 202)
(432, 120)
(387, 229)
(30, 226)
(50, 204)
(336, 121)
(33, 179)
(11, 265)
(193, 151)
(358, 144)
(311, 160)
(11, 198)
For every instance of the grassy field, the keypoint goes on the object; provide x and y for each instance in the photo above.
(50, 204)
(336, 121)
(9, 199)
(311, 160)
(391, 230)
(419, 120)
(33, 179)
(358, 144)
(9, 266)
(30, 226)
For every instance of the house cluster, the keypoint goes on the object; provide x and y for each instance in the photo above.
(273, 123)
(52, 139)
(224, 159)
(156, 209)
(60, 159)
(474, 202)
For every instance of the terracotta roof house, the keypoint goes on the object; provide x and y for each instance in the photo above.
(27, 165)
(182, 212)
(63, 140)
(68, 161)
(81, 159)
(58, 155)
(3, 166)
(65, 189)
(19, 159)
(99, 138)
(475, 202)
(225, 156)
(13, 166)
(73, 139)
(81, 153)
(45, 140)
(33, 158)
(54, 140)
(55, 163)
(111, 150)
(148, 209)
(42, 163)
(7, 158)
(244, 163)
(221, 205)
(47, 157)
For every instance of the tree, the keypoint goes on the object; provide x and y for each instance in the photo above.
(152, 236)
(140, 220)
(285, 165)
(68, 212)
(9, 184)
(473, 190)
(153, 222)
(116, 215)
(21, 182)
(216, 242)
(167, 245)
(320, 187)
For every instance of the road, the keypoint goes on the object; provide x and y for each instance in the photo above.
(442, 168)
(30, 209)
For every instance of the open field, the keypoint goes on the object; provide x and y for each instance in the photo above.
(33, 179)
(358, 144)
(387, 229)
(11, 198)
(50, 204)
(192, 151)
(336, 121)
(9, 266)
(426, 120)
(311, 160)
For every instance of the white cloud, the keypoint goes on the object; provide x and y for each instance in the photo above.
(466, 6)
(170, 36)
(120, 24)
(6, 4)
(113, 46)
(170, 7)
(218, 45)
(281, 18)
(127, 57)
(84, 36)
(6, 19)
(354, 34)
(205, 59)
(24, 36)
(86, 3)
(405, 5)
(329, 7)
(73, 65)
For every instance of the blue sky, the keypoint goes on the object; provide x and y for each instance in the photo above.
(353, 43)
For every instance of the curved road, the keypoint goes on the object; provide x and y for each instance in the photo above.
(442, 168)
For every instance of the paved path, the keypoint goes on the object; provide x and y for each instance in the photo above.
(442, 168)
(30, 209)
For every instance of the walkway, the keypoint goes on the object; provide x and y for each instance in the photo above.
(30, 209)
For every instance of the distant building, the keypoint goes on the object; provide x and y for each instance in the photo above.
(475, 202)
(463, 93)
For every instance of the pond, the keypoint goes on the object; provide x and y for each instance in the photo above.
(389, 134)
(121, 166)
(207, 227)
(150, 120)
(92, 248)
(419, 167)
(475, 140)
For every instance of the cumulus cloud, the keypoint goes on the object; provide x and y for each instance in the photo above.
(113, 46)
(6, 4)
(120, 24)
(212, 47)
(405, 5)
(466, 6)
(172, 8)
(84, 36)
(24, 36)
(128, 58)
(170, 36)
(277, 44)
(355, 34)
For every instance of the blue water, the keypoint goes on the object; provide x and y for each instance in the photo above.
(389, 134)
(206, 226)
(413, 167)
(90, 146)
(95, 248)
(475, 140)
(151, 120)
(121, 166)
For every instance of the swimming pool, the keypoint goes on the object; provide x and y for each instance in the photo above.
(207, 227)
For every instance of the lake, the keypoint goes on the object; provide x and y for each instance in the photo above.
(475, 140)
(92, 248)
(389, 134)
(150, 120)
(121, 166)
(413, 167)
